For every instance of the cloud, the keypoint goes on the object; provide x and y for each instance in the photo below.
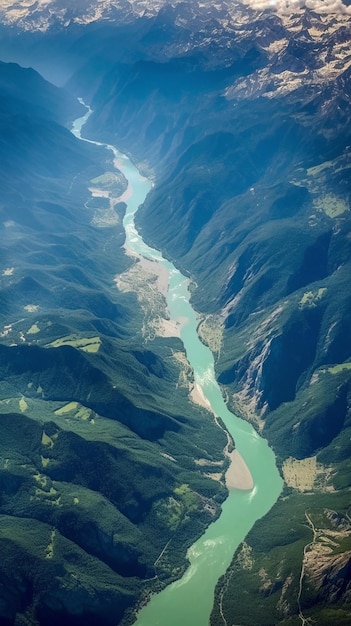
(291, 6)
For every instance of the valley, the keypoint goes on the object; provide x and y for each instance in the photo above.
(239, 115)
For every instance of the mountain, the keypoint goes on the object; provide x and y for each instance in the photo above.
(100, 443)
(241, 117)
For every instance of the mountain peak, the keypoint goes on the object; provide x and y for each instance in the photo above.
(45, 14)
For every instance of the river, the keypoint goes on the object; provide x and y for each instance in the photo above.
(188, 601)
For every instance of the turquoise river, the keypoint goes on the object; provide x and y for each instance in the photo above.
(188, 601)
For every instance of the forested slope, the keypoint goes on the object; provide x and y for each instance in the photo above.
(99, 440)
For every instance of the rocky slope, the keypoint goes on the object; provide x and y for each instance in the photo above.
(242, 118)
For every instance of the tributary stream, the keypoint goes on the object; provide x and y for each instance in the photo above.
(188, 601)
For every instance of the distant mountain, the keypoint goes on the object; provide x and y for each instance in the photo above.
(26, 89)
(242, 118)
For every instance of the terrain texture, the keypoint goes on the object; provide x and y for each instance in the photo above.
(242, 118)
(104, 460)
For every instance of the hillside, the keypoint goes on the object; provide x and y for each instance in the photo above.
(99, 439)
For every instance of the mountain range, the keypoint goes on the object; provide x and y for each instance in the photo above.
(100, 441)
(241, 117)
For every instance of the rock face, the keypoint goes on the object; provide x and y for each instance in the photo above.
(241, 116)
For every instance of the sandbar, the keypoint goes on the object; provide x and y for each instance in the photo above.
(238, 475)
(126, 195)
(198, 397)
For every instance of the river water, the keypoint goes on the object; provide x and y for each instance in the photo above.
(188, 601)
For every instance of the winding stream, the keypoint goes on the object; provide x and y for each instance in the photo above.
(188, 601)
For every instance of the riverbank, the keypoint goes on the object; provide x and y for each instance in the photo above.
(238, 475)
(149, 280)
(198, 397)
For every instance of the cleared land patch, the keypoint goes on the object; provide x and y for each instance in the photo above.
(311, 298)
(331, 205)
(78, 411)
(86, 344)
(306, 474)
